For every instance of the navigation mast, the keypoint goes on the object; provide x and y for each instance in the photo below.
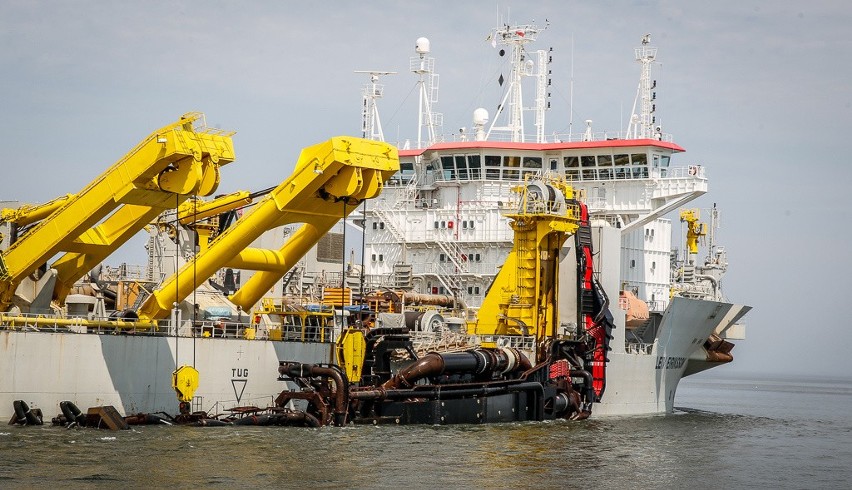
(371, 125)
(424, 67)
(643, 125)
(515, 37)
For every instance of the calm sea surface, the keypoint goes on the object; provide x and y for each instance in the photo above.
(728, 433)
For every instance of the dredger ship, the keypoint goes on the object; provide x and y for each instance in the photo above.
(441, 228)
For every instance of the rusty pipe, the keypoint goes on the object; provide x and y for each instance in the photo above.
(341, 386)
(589, 392)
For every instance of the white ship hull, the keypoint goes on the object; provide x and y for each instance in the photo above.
(646, 382)
(133, 373)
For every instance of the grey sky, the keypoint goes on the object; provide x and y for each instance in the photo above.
(758, 92)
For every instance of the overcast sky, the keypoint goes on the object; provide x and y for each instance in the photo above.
(758, 92)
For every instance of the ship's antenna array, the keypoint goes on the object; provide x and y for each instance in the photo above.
(371, 125)
(644, 124)
(522, 64)
(424, 67)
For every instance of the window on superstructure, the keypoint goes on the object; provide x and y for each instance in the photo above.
(640, 165)
(571, 164)
(639, 159)
(474, 164)
(620, 162)
(406, 171)
(449, 170)
(375, 226)
(492, 161)
(588, 164)
(554, 164)
(532, 162)
(512, 161)
(461, 167)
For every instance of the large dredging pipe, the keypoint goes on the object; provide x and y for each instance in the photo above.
(479, 362)
(341, 386)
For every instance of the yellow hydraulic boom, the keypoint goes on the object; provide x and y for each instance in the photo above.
(29, 214)
(523, 297)
(330, 180)
(162, 171)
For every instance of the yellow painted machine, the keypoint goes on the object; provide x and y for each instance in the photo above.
(694, 229)
(330, 180)
(174, 162)
(523, 297)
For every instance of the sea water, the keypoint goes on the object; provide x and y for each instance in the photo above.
(747, 432)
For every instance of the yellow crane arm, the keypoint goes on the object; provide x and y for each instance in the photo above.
(28, 214)
(329, 181)
(160, 173)
(192, 211)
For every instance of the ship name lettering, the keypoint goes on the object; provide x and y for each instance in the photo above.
(664, 362)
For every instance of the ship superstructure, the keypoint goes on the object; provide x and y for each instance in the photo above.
(439, 228)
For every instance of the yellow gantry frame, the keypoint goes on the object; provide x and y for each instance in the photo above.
(159, 173)
(522, 299)
(330, 180)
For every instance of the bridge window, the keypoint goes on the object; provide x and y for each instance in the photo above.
(492, 160)
(571, 164)
(474, 164)
(639, 159)
(461, 166)
(532, 162)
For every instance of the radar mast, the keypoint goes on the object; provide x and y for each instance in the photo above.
(371, 125)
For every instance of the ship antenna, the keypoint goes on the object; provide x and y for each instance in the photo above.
(571, 93)
(424, 67)
(515, 37)
(643, 125)
(371, 125)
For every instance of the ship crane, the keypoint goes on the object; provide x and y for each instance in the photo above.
(173, 163)
(329, 181)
